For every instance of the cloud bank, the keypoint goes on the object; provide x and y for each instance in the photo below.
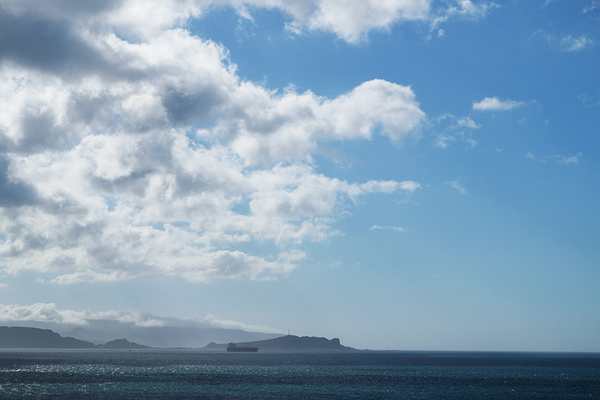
(49, 313)
(130, 148)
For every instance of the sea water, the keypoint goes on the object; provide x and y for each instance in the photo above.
(182, 374)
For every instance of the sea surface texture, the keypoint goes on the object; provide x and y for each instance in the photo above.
(156, 374)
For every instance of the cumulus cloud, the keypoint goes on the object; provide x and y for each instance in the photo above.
(145, 19)
(263, 126)
(495, 104)
(352, 21)
(131, 148)
(570, 43)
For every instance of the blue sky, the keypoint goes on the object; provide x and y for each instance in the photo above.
(402, 175)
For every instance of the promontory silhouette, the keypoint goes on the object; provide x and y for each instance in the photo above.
(289, 343)
(122, 344)
(20, 337)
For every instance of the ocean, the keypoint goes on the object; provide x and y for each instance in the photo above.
(188, 374)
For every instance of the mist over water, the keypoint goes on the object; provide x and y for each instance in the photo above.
(322, 375)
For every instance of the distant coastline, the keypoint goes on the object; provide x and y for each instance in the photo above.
(18, 337)
(31, 338)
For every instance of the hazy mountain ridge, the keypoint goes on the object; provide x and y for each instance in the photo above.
(163, 336)
(101, 333)
(27, 337)
(23, 337)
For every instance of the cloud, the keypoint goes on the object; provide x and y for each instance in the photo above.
(409, 186)
(42, 312)
(14, 193)
(462, 9)
(588, 101)
(48, 312)
(139, 152)
(559, 159)
(530, 156)
(456, 185)
(570, 43)
(594, 5)
(392, 228)
(229, 324)
(137, 20)
(264, 127)
(567, 160)
(455, 129)
(495, 104)
(352, 21)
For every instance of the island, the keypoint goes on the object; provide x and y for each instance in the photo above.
(122, 344)
(288, 343)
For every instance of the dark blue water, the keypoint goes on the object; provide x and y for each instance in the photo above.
(154, 374)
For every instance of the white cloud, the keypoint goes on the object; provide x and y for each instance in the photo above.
(229, 324)
(104, 179)
(410, 186)
(588, 101)
(264, 127)
(468, 123)
(443, 140)
(570, 43)
(391, 228)
(462, 9)
(353, 20)
(567, 160)
(348, 20)
(42, 312)
(455, 129)
(48, 312)
(495, 104)
(563, 160)
(456, 185)
(594, 5)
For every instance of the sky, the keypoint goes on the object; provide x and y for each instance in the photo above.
(401, 174)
